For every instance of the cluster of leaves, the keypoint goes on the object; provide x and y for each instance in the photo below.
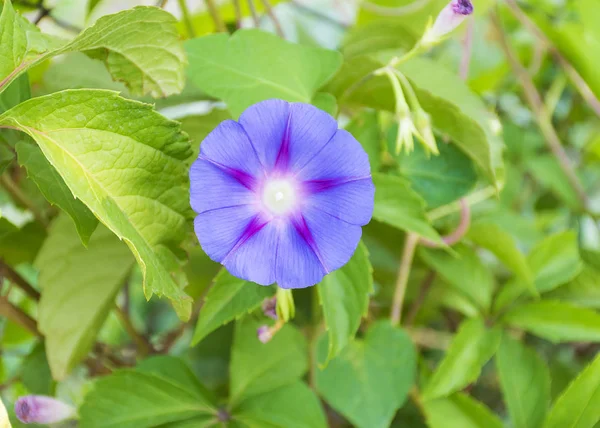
(498, 329)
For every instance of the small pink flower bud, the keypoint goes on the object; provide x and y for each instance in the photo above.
(269, 307)
(449, 18)
(264, 334)
(42, 410)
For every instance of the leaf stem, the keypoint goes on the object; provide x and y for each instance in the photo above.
(408, 254)
(238, 14)
(537, 106)
(216, 16)
(458, 233)
(13, 276)
(16, 315)
(467, 48)
(253, 12)
(472, 199)
(143, 346)
(187, 18)
(581, 85)
(271, 13)
(22, 199)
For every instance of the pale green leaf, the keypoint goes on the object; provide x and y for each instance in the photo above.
(13, 43)
(525, 381)
(369, 381)
(579, 404)
(459, 411)
(55, 190)
(291, 406)
(556, 321)
(257, 368)
(139, 46)
(229, 298)
(464, 271)
(126, 163)
(493, 238)
(252, 66)
(398, 205)
(583, 290)
(325, 102)
(134, 399)
(344, 295)
(79, 286)
(472, 347)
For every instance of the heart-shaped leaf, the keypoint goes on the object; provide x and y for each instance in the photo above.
(376, 372)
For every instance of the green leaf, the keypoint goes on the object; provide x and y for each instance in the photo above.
(325, 102)
(455, 111)
(556, 321)
(369, 381)
(344, 295)
(252, 66)
(379, 35)
(198, 127)
(365, 128)
(19, 245)
(35, 372)
(291, 406)
(79, 286)
(398, 205)
(583, 290)
(525, 381)
(139, 46)
(464, 271)
(546, 170)
(130, 173)
(459, 411)
(555, 260)
(55, 190)
(472, 347)
(228, 299)
(438, 179)
(257, 368)
(579, 404)
(493, 238)
(134, 399)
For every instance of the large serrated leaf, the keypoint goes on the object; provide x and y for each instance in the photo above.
(77, 284)
(229, 298)
(139, 46)
(55, 190)
(253, 65)
(126, 163)
(344, 295)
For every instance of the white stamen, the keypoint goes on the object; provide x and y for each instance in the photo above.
(279, 196)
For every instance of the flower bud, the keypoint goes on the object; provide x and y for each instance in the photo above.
(269, 307)
(423, 125)
(406, 130)
(42, 410)
(264, 333)
(449, 18)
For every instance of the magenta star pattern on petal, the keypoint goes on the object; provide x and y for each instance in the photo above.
(281, 195)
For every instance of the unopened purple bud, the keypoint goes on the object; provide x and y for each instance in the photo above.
(269, 307)
(449, 18)
(42, 410)
(264, 334)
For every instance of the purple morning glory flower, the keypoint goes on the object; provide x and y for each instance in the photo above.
(448, 19)
(42, 410)
(281, 195)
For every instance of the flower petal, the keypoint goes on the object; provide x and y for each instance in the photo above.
(351, 202)
(335, 239)
(212, 188)
(309, 130)
(266, 123)
(220, 230)
(255, 259)
(342, 157)
(229, 147)
(297, 264)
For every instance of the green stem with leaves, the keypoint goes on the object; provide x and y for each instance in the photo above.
(410, 245)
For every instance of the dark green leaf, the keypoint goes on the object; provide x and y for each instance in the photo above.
(365, 128)
(229, 298)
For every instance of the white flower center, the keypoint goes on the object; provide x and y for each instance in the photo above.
(279, 196)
